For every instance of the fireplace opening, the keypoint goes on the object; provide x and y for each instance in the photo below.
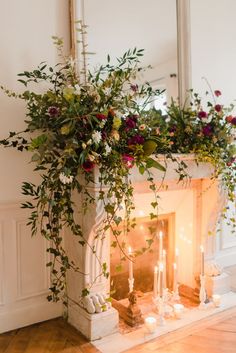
(144, 264)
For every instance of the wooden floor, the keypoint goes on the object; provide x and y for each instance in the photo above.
(56, 336)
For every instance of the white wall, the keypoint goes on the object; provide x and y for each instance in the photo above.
(213, 50)
(213, 56)
(26, 27)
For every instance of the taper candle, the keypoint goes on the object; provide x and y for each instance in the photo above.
(155, 282)
(164, 267)
(131, 276)
(160, 246)
(161, 278)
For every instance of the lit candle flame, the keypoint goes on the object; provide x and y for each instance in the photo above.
(202, 248)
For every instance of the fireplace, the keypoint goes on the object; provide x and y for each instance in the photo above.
(143, 264)
(185, 212)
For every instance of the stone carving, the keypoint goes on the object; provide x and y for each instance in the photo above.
(133, 314)
(212, 269)
(96, 303)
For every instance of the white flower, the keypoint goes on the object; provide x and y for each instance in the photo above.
(107, 149)
(89, 142)
(84, 145)
(64, 179)
(96, 137)
(77, 89)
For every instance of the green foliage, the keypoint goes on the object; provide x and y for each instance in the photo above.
(89, 120)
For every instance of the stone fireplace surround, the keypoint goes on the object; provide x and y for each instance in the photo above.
(195, 213)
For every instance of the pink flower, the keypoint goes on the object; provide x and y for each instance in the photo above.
(218, 108)
(128, 160)
(88, 166)
(202, 114)
(217, 93)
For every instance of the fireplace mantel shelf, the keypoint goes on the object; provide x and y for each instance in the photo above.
(194, 170)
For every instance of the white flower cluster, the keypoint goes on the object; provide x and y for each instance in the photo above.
(64, 179)
(96, 137)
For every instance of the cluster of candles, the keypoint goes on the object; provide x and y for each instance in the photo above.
(159, 283)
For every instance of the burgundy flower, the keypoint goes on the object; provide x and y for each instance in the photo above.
(233, 121)
(207, 130)
(128, 160)
(130, 122)
(173, 128)
(231, 161)
(53, 111)
(217, 93)
(134, 88)
(136, 140)
(218, 108)
(202, 114)
(101, 117)
(88, 166)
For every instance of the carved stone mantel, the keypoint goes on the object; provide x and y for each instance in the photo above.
(90, 264)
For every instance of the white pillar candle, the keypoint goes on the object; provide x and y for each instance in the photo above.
(155, 282)
(202, 260)
(160, 246)
(131, 276)
(161, 278)
(164, 267)
(216, 300)
(151, 324)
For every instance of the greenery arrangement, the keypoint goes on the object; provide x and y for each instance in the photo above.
(102, 123)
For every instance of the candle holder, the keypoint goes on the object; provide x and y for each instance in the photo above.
(131, 284)
(161, 311)
(202, 293)
(175, 294)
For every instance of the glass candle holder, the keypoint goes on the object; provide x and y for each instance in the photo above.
(216, 298)
(151, 324)
(178, 310)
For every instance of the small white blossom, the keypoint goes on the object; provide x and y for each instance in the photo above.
(107, 149)
(84, 145)
(77, 89)
(96, 137)
(64, 179)
(89, 142)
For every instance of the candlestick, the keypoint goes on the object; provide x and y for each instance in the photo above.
(131, 276)
(164, 267)
(175, 276)
(155, 282)
(160, 246)
(202, 260)
(202, 293)
(216, 300)
(161, 278)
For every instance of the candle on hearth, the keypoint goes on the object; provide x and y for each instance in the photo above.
(155, 282)
(131, 276)
(161, 278)
(202, 260)
(151, 324)
(175, 276)
(164, 267)
(160, 246)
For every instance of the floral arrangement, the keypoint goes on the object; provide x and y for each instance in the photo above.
(102, 121)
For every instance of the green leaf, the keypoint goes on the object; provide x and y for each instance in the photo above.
(141, 169)
(151, 163)
(149, 147)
